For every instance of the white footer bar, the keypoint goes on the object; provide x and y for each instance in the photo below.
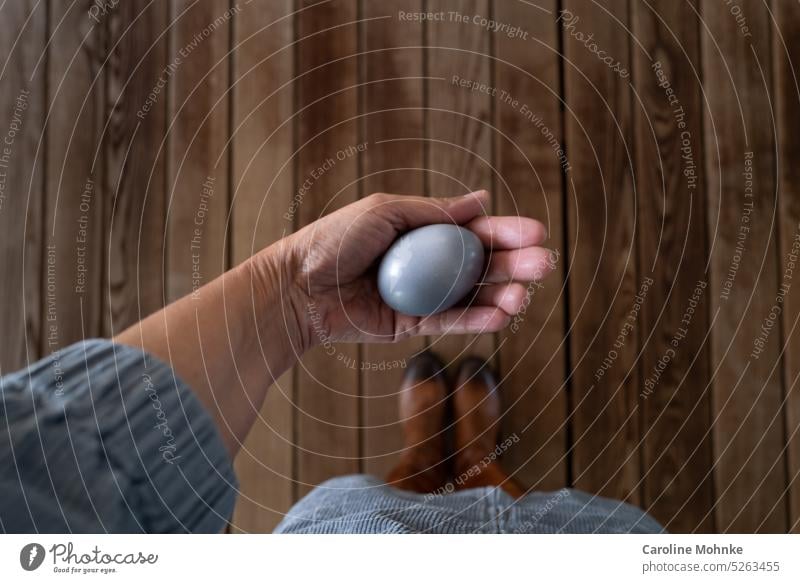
(425, 558)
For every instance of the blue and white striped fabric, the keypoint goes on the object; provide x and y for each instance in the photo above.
(102, 437)
(105, 438)
(363, 504)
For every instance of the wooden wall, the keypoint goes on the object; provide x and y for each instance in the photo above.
(149, 146)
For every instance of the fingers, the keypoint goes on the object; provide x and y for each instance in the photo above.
(476, 320)
(528, 264)
(491, 311)
(508, 232)
(409, 212)
(507, 297)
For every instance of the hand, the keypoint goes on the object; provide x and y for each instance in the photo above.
(241, 331)
(332, 267)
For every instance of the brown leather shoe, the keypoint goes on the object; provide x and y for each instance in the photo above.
(423, 407)
(476, 409)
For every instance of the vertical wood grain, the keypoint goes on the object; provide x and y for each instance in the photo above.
(602, 251)
(675, 395)
(459, 153)
(263, 187)
(135, 155)
(748, 423)
(74, 222)
(198, 133)
(22, 76)
(786, 63)
(327, 387)
(393, 122)
(532, 353)
(116, 191)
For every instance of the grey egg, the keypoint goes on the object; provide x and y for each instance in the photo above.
(430, 269)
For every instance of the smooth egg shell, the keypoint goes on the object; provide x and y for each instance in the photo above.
(430, 269)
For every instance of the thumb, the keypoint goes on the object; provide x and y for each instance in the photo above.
(410, 212)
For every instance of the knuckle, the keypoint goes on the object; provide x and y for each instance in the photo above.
(378, 198)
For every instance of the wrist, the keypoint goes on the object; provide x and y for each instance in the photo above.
(280, 302)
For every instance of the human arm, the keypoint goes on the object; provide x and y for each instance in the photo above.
(233, 338)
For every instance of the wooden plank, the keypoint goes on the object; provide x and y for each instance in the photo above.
(748, 435)
(198, 132)
(74, 221)
(603, 283)
(22, 42)
(459, 153)
(528, 138)
(786, 56)
(135, 153)
(327, 388)
(263, 187)
(394, 163)
(675, 398)
(677, 454)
